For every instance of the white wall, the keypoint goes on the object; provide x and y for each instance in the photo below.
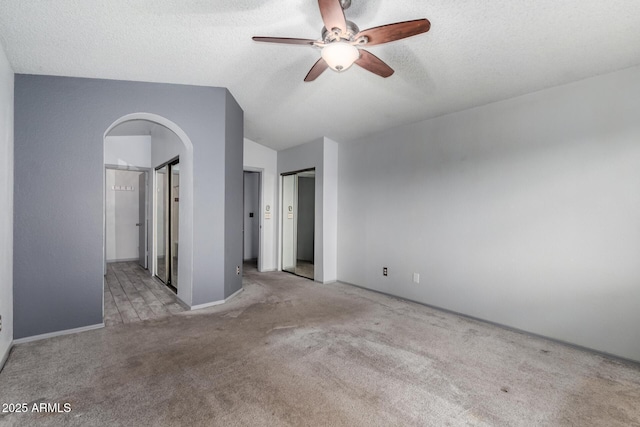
(525, 212)
(330, 209)
(134, 150)
(265, 160)
(122, 215)
(6, 205)
(322, 155)
(251, 223)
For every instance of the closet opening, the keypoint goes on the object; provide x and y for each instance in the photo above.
(298, 222)
(167, 220)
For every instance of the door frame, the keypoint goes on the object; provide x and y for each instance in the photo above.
(104, 206)
(167, 235)
(144, 224)
(282, 218)
(259, 212)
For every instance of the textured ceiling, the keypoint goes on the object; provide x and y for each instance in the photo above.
(476, 52)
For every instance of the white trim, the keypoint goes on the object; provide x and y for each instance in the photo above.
(233, 294)
(214, 303)
(207, 305)
(111, 261)
(58, 333)
(5, 356)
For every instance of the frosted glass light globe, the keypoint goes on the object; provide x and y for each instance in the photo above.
(340, 55)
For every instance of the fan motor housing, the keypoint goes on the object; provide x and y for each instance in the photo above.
(330, 36)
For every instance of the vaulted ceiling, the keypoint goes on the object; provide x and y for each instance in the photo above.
(477, 52)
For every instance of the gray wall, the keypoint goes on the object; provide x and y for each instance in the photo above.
(59, 128)
(234, 140)
(525, 212)
(6, 205)
(306, 217)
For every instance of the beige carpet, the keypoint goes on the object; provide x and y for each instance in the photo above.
(288, 351)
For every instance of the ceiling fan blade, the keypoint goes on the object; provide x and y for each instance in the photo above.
(332, 15)
(284, 40)
(372, 63)
(391, 32)
(317, 69)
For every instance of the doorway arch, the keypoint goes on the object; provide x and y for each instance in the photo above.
(185, 261)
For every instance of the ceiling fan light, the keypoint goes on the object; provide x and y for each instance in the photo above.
(340, 55)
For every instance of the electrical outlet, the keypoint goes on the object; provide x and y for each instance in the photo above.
(237, 269)
(385, 272)
(416, 277)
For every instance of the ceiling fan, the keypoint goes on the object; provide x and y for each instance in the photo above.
(342, 41)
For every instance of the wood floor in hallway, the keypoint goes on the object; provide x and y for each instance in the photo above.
(132, 295)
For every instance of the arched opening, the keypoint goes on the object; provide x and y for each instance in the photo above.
(160, 155)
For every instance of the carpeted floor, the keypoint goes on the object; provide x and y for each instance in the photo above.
(288, 351)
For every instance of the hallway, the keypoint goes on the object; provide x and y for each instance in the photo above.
(131, 295)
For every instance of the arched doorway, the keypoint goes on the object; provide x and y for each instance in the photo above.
(151, 145)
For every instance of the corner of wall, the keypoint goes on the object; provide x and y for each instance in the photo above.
(517, 212)
(7, 80)
(233, 217)
(330, 208)
(231, 100)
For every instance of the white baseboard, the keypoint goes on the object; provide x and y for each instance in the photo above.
(214, 303)
(207, 305)
(5, 356)
(111, 261)
(58, 333)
